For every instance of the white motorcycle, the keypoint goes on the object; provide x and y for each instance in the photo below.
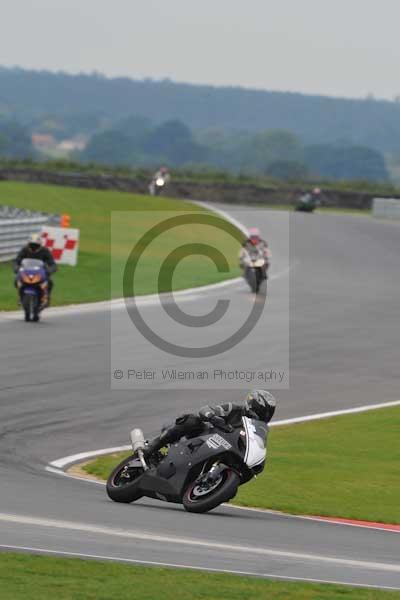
(156, 186)
(255, 265)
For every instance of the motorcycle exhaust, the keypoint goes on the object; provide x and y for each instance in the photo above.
(138, 445)
(137, 439)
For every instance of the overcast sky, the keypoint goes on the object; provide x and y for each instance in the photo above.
(341, 47)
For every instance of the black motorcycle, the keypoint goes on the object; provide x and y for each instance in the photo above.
(200, 472)
(307, 203)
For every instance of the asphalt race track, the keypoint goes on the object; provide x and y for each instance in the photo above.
(56, 401)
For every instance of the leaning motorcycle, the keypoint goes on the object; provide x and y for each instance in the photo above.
(306, 203)
(200, 472)
(156, 186)
(255, 267)
(33, 286)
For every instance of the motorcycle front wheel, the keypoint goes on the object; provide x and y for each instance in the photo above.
(123, 485)
(201, 497)
(30, 305)
(251, 277)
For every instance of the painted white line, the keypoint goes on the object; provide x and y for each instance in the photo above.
(197, 543)
(152, 563)
(62, 463)
(267, 511)
(222, 213)
(376, 527)
(276, 513)
(335, 413)
(119, 303)
(71, 476)
(327, 521)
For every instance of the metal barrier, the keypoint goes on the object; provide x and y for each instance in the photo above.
(387, 208)
(16, 225)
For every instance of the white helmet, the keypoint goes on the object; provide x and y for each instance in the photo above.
(35, 242)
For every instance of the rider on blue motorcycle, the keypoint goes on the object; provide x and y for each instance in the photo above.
(259, 405)
(35, 249)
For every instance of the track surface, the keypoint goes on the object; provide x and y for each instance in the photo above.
(56, 400)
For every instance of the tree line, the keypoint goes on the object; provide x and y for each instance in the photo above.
(87, 100)
(137, 142)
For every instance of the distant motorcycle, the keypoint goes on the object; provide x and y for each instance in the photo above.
(32, 283)
(255, 269)
(307, 203)
(201, 472)
(156, 186)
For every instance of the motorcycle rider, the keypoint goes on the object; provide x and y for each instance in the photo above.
(309, 202)
(35, 249)
(255, 241)
(259, 405)
(163, 174)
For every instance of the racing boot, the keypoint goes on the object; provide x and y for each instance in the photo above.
(159, 442)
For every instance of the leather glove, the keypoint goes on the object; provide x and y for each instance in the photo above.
(219, 422)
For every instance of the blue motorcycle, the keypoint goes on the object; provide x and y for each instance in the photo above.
(33, 286)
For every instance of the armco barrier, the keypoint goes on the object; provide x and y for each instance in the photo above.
(16, 225)
(386, 208)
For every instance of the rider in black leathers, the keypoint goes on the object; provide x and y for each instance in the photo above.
(35, 249)
(259, 404)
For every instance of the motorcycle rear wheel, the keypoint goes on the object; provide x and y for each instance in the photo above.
(125, 492)
(199, 502)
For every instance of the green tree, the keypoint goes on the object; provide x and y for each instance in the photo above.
(174, 142)
(287, 170)
(110, 147)
(265, 148)
(346, 162)
(136, 127)
(16, 140)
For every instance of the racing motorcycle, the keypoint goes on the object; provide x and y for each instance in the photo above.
(200, 472)
(32, 283)
(156, 186)
(307, 203)
(255, 268)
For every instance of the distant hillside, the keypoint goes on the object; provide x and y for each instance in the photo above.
(27, 95)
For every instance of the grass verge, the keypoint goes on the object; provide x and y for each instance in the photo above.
(90, 212)
(346, 466)
(24, 576)
(333, 210)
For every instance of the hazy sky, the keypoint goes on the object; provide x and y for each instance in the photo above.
(341, 47)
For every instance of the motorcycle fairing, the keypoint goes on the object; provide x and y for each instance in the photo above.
(256, 435)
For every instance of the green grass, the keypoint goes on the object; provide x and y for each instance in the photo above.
(26, 577)
(90, 212)
(346, 466)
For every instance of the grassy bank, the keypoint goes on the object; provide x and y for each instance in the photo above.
(90, 212)
(346, 466)
(203, 175)
(36, 577)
